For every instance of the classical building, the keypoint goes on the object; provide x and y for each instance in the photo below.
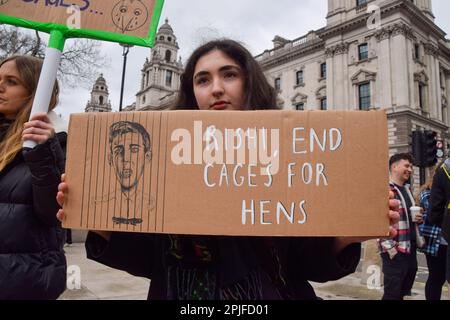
(372, 54)
(99, 97)
(161, 74)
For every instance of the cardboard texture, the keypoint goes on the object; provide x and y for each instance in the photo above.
(262, 173)
(131, 17)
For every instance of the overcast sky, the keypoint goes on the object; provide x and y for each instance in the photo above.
(253, 22)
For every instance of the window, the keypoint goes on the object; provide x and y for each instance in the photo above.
(101, 99)
(360, 3)
(364, 96)
(169, 39)
(169, 75)
(168, 55)
(417, 51)
(300, 106)
(323, 71)
(363, 51)
(299, 77)
(278, 84)
(421, 96)
(323, 103)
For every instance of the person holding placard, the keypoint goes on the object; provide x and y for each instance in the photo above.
(223, 75)
(32, 261)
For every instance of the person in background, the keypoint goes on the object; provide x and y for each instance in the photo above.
(439, 207)
(398, 255)
(435, 249)
(32, 261)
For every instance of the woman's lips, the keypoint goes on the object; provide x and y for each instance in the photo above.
(222, 105)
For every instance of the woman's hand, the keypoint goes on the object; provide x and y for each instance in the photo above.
(394, 218)
(39, 129)
(63, 189)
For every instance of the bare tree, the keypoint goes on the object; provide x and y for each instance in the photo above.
(81, 61)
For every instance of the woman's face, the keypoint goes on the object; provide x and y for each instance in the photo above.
(218, 82)
(13, 93)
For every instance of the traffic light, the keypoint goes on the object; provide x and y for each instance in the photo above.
(417, 146)
(429, 149)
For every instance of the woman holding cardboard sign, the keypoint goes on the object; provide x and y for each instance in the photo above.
(223, 75)
(32, 262)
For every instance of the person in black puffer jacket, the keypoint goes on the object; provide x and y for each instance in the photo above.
(32, 261)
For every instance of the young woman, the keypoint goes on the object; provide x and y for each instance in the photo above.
(223, 75)
(436, 247)
(32, 262)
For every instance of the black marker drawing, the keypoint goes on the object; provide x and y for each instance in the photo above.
(129, 151)
(2, 2)
(129, 15)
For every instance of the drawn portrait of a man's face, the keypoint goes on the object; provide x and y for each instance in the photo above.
(129, 151)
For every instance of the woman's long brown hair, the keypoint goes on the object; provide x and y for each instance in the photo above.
(259, 94)
(29, 69)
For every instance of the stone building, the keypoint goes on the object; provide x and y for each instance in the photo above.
(99, 97)
(161, 74)
(372, 54)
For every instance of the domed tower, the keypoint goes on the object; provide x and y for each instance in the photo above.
(99, 97)
(161, 74)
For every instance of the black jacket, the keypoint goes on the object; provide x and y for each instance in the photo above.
(32, 261)
(298, 260)
(440, 200)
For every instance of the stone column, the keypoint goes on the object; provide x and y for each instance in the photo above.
(433, 86)
(384, 81)
(447, 89)
(400, 66)
(339, 87)
(329, 53)
(438, 91)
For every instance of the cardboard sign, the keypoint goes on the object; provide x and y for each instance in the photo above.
(265, 173)
(125, 21)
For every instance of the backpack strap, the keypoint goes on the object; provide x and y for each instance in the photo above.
(446, 167)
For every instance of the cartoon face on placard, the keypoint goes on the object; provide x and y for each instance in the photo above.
(2, 2)
(129, 15)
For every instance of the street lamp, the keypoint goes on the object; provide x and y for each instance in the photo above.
(126, 50)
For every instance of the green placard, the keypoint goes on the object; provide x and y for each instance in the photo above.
(133, 22)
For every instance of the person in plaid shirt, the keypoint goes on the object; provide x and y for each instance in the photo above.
(399, 253)
(435, 249)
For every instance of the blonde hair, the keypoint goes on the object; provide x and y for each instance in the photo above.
(29, 69)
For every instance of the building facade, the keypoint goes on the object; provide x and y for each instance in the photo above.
(372, 54)
(161, 73)
(99, 97)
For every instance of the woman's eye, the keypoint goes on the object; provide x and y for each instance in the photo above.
(229, 75)
(11, 82)
(201, 81)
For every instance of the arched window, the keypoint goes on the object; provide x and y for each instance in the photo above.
(101, 99)
(169, 39)
(161, 38)
(168, 55)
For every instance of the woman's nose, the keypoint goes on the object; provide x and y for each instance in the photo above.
(217, 89)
